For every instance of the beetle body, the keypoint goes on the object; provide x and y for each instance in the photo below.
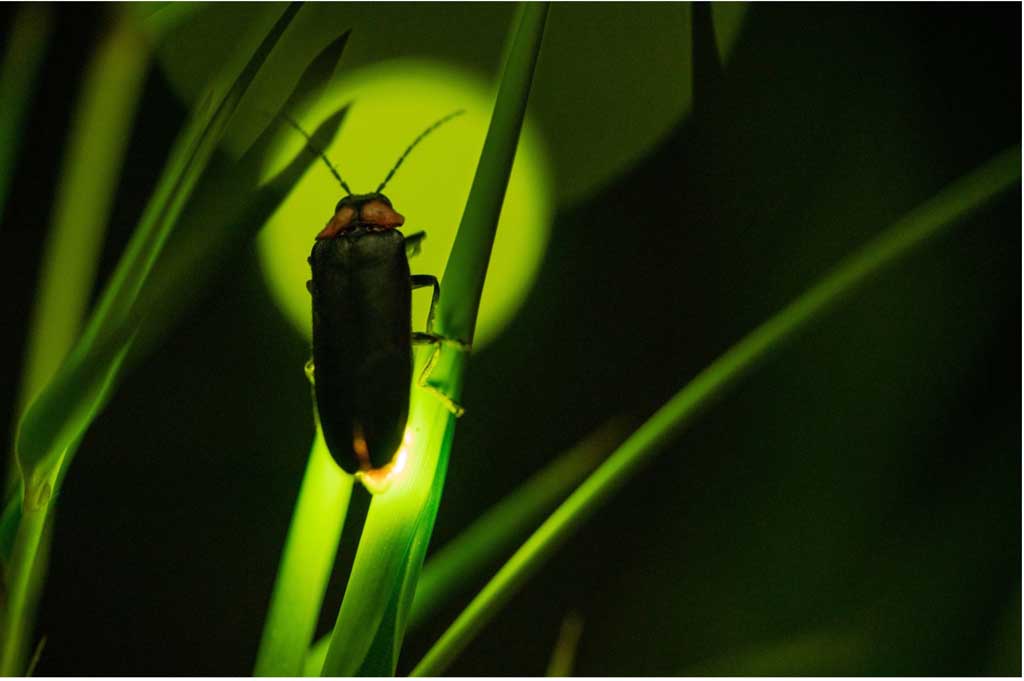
(362, 332)
(362, 327)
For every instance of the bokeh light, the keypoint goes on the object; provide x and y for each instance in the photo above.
(391, 103)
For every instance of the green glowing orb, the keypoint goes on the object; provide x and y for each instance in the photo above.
(391, 103)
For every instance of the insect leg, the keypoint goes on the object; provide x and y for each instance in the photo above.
(413, 243)
(421, 280)
(431, 338)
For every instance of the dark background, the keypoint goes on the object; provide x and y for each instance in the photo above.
(857, 499)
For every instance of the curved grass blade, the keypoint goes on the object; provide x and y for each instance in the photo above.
(55, 420)
(175, 279)
(927, 221)
(398, 526)
(197, 245)
(63, 409)
(100, 130)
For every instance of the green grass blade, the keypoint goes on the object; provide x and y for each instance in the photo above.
(100, 130)
(56, 419)
(400, 521)
(177, 277)
(26, 45)
(206, 228)
(26, 546)
(928, 220)
(467, 265)
(306, 564)
(65, 407)
(195, 250)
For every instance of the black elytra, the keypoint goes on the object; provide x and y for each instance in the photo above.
(362, 343)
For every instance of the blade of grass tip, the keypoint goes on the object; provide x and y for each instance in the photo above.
(307, 92)
(563, 657)
(63, 410)
(399, 521)
(306, 563)
(925, 222)
(26, 45)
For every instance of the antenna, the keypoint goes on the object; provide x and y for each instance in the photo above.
(309, 143)
(416, 141)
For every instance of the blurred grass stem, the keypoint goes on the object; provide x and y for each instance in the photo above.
(100, 130)
(26, 46)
